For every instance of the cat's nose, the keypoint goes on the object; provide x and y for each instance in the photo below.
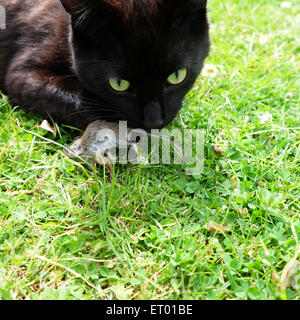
(152, 116)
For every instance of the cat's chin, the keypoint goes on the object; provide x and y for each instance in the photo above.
(149, 126)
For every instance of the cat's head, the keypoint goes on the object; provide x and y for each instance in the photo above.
(138, 58)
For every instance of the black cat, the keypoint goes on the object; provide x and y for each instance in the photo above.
(82, 60)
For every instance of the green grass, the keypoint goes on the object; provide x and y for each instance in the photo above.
(67, 233)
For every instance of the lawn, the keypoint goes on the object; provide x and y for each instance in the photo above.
(68, 233)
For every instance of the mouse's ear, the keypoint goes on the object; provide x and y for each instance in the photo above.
(74, 150)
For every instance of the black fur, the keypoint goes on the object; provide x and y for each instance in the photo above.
(56, 59)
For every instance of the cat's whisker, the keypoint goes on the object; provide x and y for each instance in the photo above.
(97, 107)
(97, 111)
(92, 60)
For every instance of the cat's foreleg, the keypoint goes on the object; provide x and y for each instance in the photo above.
(47, 94)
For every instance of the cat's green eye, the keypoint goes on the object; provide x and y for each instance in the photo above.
(119, 85)
(177, 77)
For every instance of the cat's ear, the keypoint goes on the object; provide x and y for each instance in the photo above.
(71, 5)
(194, 10)
(75, 6)
(197, 3)
(189, 9)
(186, 6)
(83, 12)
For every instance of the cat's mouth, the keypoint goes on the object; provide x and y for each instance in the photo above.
(148, 126)
(154, 124)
